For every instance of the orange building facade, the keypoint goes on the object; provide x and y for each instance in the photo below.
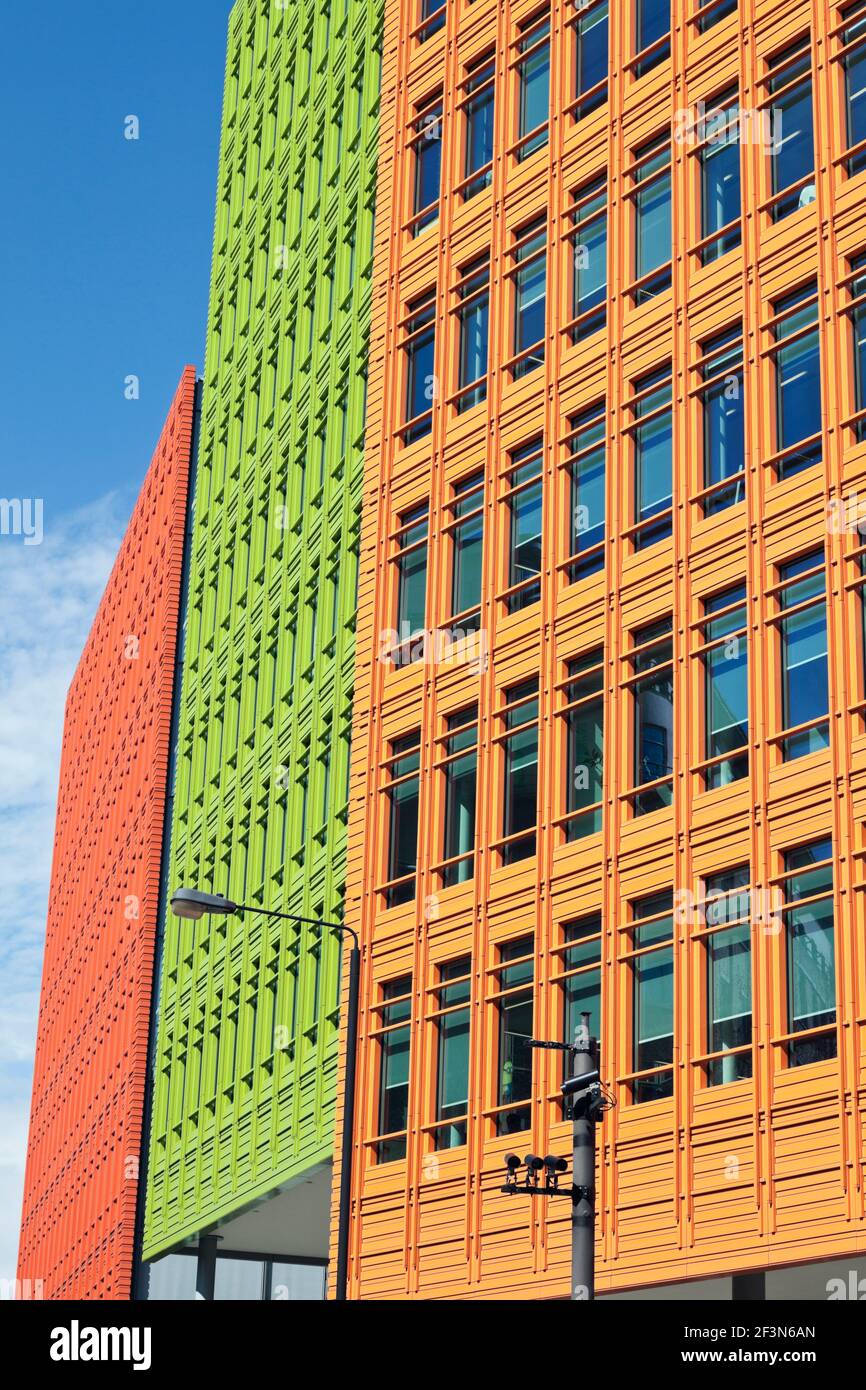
(81, 1186)
(609, 746)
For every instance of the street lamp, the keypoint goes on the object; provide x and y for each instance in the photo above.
(191, 905)
(584, 1092)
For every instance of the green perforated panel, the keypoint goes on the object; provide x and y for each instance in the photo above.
(246, 1050)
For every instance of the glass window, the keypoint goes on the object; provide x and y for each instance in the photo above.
(591, 59)
(432, 19)
(239, 1281)
(395, 1015)
(723, 416)
(854, 67)
(584, 717)
(460, 769)
(427, 144)
(589, 239)
(420, 346)
(811, 955)
(726, 677)
(533, 78)
(588, 504)
(651, 662)
(524, 502)
(530, 297)
(581, 986)
(728, 944)
(652, 434)
(515, 981)
(857, 315)
(297, 1283)
(652, 24)
(803, 638)
(172, 1279)
(715, 10)
(581, 958)
(466, 529)
(452, 1073)
(653, 997)
(797, 357)
(402, 790)
(473, 314)
(720, 179)
(411, 585)
(792, 147)
(520, 794)
(652, 212)
(479, 109)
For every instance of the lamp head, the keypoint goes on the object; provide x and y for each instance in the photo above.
(192, 905)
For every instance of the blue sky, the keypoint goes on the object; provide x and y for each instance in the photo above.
(104, 266)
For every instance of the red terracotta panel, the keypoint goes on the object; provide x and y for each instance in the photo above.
(81, 1179)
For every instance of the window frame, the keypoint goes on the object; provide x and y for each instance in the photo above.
(439, 1011)
(514, 698)
(403, 547)
(446, 758)
(584, 104)
(778, 83)
(630, 953)
(417, 326)
(535, 33)
(591, 195)
(706, 644)
(658, 280)
(655, 526)
(517, 595)
(523, 254)
(793, 1038)
(778, 620)
(500, 991)
(390, 1146)
(711, 370)
(790, 459)
(708, 1061)
(582, 668)
(398, 890)
(637, 675)
(479, 80)
(469, 489)
(471, 291)
(419, 141)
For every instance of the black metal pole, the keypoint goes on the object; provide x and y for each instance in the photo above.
(583, 1170)
(341, 1293)
(205, 1273)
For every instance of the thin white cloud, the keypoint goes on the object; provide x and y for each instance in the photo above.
(48, 598)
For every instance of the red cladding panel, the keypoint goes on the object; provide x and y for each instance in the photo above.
(91, 1053)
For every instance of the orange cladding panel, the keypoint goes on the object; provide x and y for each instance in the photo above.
(728, 1151)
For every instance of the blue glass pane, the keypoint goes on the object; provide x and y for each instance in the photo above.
(724, 442)
(653, 247)
(799, 391)
(721, 191)
(794, 146)
(804, 658)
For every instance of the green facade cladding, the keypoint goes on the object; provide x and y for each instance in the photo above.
(245, 1065)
